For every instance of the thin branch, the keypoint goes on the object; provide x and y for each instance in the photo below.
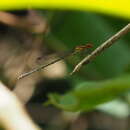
(102, 47)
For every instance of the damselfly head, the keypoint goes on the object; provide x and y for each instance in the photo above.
(83, 47)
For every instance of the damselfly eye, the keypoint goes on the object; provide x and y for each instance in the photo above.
(89, 45)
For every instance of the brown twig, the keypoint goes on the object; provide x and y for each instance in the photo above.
(102, 47)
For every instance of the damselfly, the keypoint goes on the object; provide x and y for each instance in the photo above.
(76, 50)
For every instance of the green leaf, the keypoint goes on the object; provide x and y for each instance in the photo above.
(88, 95)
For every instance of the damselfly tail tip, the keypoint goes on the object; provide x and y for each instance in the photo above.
(21, 76)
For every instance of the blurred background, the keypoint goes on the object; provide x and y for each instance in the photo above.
(29, 38)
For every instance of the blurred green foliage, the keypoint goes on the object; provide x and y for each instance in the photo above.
(89, 94)
(70, 29)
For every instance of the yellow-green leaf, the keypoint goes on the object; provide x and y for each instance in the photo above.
(88, 95)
